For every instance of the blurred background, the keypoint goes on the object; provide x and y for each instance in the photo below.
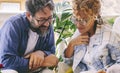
(11, 7)
(62, 26)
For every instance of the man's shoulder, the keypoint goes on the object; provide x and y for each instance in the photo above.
(17, 17)
(18, 20)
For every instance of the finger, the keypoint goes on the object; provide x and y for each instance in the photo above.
(38, 63)
(27, 56)
(84, 37)
(85, 43)
(85, 34)
(41, 61)
(82, 43)
(35, 63)
(85, 40)
(31, 62)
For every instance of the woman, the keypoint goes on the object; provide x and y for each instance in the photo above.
(92, 48)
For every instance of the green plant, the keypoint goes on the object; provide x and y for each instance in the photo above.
(111, 21)
(63, 25)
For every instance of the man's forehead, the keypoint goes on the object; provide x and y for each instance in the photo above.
(44, 13)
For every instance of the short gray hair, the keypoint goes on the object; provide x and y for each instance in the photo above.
(33, 6)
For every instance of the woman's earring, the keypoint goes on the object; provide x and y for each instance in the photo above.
(99, 20)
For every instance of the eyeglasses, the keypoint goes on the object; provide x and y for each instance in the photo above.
(79, 21)
(43, 21)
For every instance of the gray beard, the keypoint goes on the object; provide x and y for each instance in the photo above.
(38, 29)
(44, 33)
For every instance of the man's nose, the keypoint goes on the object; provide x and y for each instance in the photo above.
(47, 23)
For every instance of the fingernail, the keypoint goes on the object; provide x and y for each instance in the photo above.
(29, 67)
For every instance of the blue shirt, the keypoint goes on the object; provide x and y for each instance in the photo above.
(13, 43)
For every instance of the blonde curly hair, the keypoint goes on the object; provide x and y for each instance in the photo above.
(86, 7)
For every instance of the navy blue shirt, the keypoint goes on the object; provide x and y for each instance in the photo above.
(13, 43)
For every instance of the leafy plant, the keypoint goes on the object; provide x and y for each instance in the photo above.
(63, 25)
(111, 21)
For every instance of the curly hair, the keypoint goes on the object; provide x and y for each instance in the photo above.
(88, 7)
(33, 6)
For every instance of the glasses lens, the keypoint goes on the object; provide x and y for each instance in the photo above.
(40, 22)
(79, 21)
(73, 19)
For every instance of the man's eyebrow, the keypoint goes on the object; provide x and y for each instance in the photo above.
(43, 17)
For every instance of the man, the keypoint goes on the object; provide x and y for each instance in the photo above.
(27, 40)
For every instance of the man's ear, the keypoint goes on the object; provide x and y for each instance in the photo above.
(28, 15)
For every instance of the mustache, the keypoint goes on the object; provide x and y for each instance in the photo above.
(42, 26)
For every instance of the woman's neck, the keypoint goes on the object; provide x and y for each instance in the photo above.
(92, 30)
(91, 33)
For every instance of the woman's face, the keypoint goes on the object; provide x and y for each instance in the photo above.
(84, 23)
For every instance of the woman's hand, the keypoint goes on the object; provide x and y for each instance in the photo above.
(81, 39)
(101, 71)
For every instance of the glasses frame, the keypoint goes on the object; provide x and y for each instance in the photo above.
(41, 22)
(80, 21)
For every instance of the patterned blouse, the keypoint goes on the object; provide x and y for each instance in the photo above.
(102, 52)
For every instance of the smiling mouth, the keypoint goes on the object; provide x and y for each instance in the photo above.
(44, 28)
(81, 28)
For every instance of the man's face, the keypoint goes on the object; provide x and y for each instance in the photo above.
(41, 21)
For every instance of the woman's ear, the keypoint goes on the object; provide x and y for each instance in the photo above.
(99, 19)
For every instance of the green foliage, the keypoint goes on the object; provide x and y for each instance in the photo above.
(111, 21)
(63, 25)
(60, 59)
(62, 6)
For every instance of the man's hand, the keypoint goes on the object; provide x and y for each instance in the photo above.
(36, 59)
(50, 61)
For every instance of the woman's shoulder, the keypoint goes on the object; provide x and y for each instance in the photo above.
(116, 25)
(106, 27)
